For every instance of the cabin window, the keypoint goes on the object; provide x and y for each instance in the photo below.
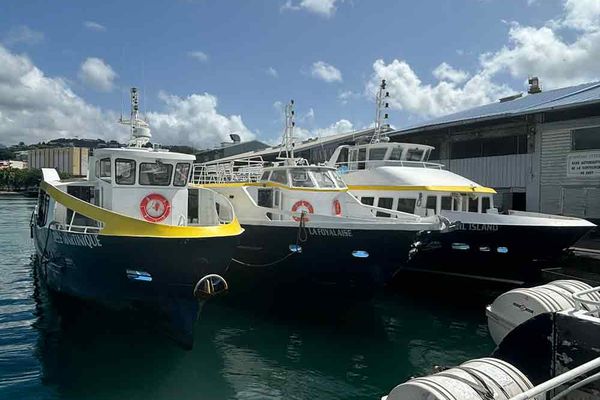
(367, 200)
(485, 204)
(265, 198)
(446, 203)
(396, 154)
(384, 202)
(473, 204)
(300, 178)
(407, 205)
(342, 156)
(155, 174)
(362, 156)
(279, 176)
(182, 172)
(431, 202)
(322, 178)
(377, 153)
(414, 154)
(338, 180)
(585, 139)
(265, 176)
(124, 171)
(105, 168)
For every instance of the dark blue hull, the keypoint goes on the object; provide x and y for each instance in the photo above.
(157, 274)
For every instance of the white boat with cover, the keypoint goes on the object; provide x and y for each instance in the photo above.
(133, 234)
(303, 225)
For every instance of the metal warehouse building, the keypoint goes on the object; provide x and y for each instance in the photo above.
(70, 160)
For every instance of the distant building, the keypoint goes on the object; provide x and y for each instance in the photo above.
(229, 149)
(16, 164)
(69, 160)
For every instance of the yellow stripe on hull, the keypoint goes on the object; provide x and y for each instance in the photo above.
(459, 189)
(116, 224)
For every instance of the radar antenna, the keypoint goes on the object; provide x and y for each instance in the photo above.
(381, 115)
(287, 144)
(140, 130)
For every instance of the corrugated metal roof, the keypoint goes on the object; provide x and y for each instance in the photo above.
(544, 101)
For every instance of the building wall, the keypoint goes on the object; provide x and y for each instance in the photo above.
(70, 160)
(561, 193)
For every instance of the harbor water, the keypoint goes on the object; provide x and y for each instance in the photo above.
(70, 351)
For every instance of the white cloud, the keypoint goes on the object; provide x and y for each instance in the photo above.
(324, 8)
(23, 34)
(198, 56)
(272, 72)
(540, 51)
(94, 26)
(341, 126)
(35, 108)
(326, 72)
(345, 96)
(97, 74)
(194, 120)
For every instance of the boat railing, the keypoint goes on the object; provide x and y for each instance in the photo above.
(588, 301)
(348, 166)
(247, 169)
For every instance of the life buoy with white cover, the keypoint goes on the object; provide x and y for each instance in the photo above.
(155, 207)
(302, 205)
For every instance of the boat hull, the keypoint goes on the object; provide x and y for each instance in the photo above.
(496, 252)
(145, 273)
(328, 264)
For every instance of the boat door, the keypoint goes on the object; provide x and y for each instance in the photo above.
(357, 158)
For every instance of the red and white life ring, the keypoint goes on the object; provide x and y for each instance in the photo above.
(302, 205)
(155, 207)
(337, 208)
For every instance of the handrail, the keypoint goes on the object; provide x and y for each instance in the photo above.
(581, 302)
(383, 163)
(559, 380)
(247, 169)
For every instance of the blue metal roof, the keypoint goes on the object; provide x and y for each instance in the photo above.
(544, 101)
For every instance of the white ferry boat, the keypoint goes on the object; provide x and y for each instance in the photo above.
(133, 234)
(305, 229)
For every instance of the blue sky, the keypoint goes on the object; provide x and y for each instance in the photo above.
(207, 68)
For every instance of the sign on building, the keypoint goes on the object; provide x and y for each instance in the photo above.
(583, 164)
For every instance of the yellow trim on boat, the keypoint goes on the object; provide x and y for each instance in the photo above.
(263, 184)
(460, 189)
(116, 224)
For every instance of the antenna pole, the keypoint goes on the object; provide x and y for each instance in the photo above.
(381, 115)
(288, 133)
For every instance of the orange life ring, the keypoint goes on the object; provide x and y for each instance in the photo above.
(337, 208)
(306, 207)
(155, 207)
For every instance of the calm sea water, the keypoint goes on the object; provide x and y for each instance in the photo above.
(50, 352)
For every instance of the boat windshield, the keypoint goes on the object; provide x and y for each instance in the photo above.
(322, 178)
(301, 178)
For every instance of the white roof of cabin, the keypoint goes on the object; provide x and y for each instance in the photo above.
(142, 153)
(406, 176)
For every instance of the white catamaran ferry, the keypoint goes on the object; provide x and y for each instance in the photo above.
(305, 229)
(133, 234)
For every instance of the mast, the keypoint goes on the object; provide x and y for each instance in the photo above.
(287, 143)
(140, 130)
(381, 115)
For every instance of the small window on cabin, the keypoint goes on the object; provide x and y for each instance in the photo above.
(414, 154)
(431, 202)
(105, 168)
(155, 174)
(182, 172)
(342, 156)
(377, 153)
(323, 179)
(472, 204)
(362, 156)
(446, 203)
(485, 204)
(338, 180)
(265, 176)
(396, 154)
(407, 205)
(124, 171)
(279, 176)
(97, 169)
(301, 178)
(367, 200)
(384, 202)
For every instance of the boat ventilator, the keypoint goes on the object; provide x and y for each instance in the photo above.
(209, 286)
